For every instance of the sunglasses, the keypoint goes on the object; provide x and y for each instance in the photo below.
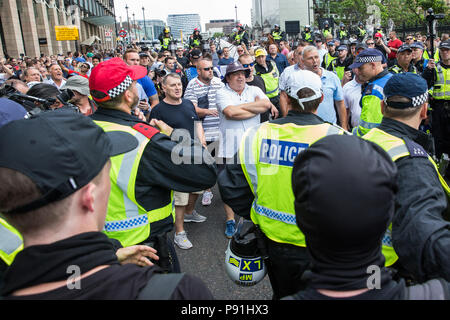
(409, 38)
(370, 43)
(208, 69)
(248, 65)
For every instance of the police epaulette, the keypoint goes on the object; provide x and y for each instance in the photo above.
(146, 130)
(415, 149)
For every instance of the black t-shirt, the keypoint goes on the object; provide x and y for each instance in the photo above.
(183, 61)
(181, 116)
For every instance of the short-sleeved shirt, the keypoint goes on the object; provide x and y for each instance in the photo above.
(332, 91)
(197, 90)
(232, 131)
(352, 96)
(397, 43)
(148, 86)
(180, 116)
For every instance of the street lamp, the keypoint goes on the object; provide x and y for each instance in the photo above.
(235, 8)
(134, 27)
(128, 24)
(145, 29)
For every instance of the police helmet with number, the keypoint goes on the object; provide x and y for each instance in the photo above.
(243, 262)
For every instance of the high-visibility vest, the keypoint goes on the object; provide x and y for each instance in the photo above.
(342, 34)
(326, 33)
(362, 32)
(196, 42)
(11, 242)
(276, 35)
(339, 70)
(239, 36)
(397, 149)
(308, 36)
(267, 154)
(441, 87)
(426, 55)
(271, 81)
(166, 42)
(126, 220)
(397, 69)
(329, 59)
(371, 105)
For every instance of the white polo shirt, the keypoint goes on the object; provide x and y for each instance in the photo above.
(232, 131)
(352, 96)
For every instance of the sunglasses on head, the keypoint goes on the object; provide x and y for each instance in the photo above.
(208, 69)
(248, 65)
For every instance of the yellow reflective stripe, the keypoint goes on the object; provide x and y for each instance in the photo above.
(247, 158)
(10, 242)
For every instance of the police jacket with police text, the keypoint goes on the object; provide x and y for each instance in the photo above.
(234, 188)
(157, 174)
(421, 237)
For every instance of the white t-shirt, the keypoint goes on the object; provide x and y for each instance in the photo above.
(352, 96)
(284, 77)
(232, 131)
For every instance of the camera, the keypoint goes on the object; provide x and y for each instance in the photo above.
(160, 73)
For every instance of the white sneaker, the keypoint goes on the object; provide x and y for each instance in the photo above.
(206, 199)
(182, 241)
(194, 217)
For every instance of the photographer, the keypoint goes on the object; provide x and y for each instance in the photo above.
(77, 88)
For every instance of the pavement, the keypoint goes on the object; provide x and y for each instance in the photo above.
(206, 259)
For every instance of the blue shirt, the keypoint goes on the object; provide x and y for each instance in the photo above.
(148, 86)
(280, 60)
(225, 62)
(191, 73)
(332, 91)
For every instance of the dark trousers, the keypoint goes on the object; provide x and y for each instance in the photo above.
(286, 266)
(440, 128)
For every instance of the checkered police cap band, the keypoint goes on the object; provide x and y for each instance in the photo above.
(120, 88)
(367, 59)
(420, 100)
(415, 102)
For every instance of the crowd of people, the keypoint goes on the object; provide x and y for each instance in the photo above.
(330, 148)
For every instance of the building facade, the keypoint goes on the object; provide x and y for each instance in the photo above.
(28, 26)
(152, 29)
(221, 26)
(266, 13)
(182, 25)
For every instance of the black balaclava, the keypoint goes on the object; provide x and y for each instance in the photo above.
(344, 189)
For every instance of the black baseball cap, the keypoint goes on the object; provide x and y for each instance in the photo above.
(60, 151)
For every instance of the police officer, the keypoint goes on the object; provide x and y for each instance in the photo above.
(344, 232)
(403, 61)
(140, 209)
(342, 33)
(307, 35)
(195, 40)
(277, 34)
(368, 65)
(418, 241)
(241, 36)
(268, 71)
(361, 32)
(342, 63)
(331, 55)
(165, 38)
(438, 78)
(327, 32)
(417, 56)
(259, 187)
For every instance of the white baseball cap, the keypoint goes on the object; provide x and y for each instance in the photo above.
(304, 79)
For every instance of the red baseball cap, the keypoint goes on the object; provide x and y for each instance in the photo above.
(112, 77)
(378, 35)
